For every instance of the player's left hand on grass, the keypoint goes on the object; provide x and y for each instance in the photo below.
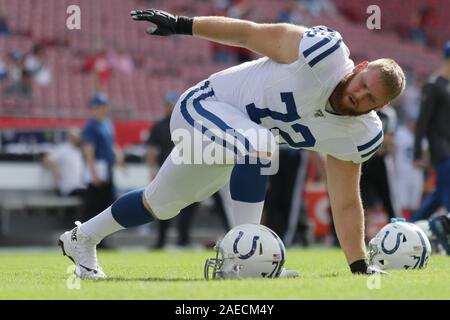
(360, 267)
(166, 23)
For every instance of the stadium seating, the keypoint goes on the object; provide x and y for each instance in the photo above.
(398, 15)
(162, 63)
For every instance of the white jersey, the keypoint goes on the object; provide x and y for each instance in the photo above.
(293, 98)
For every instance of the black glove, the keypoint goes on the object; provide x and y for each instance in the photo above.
(166, 23)
(361, 267)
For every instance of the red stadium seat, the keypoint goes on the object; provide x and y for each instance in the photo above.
(178, 62)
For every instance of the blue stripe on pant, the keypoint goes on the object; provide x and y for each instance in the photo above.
(211, 118)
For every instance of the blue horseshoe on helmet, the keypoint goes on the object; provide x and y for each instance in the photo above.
(397, 243)
(252, 250)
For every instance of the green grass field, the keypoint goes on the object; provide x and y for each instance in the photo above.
(179, 275)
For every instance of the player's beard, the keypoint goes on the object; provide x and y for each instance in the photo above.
(340, 101)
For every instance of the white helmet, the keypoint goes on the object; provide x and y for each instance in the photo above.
(400, 245)
(247, 251)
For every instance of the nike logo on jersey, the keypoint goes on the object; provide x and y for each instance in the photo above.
(318, 114)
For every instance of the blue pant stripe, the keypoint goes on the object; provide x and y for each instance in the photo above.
(212, 118)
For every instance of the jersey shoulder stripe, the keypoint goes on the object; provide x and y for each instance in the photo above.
(316, 46)
(373, 151)
(373, 145)
(321, 42)
(371, 142)
(325, 54)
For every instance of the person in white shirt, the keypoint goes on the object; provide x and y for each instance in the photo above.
(66, 163)
(410, 179)
(305, 92)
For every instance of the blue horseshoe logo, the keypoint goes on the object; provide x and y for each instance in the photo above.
(397, 243)
(252, 250)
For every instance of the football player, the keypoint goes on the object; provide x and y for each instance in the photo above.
(304, 92)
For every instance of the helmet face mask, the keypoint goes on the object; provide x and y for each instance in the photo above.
(400, 245)
(247, 251)
(213, 263)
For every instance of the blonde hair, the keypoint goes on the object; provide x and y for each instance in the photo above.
(392, 75)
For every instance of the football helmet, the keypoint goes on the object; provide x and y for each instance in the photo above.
(247, 251)
(399, 245)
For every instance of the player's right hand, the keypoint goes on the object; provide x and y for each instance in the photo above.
(166, 23)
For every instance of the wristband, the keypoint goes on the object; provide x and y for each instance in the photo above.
(184, 25)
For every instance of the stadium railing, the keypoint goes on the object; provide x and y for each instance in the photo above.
(29, 188)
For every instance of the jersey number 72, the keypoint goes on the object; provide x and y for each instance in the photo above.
(291, 115)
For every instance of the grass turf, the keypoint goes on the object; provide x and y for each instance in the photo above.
(179, 275)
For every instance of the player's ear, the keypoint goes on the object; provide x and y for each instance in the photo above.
(360, 66)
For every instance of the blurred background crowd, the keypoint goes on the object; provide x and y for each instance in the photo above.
(84, 115)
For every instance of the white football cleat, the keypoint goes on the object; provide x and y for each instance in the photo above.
(79, 248)
(288, 273)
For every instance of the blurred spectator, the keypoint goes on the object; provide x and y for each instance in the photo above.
(35, 64)
(121, 61)
(3, 71)
(222, 5)
(319, 8)
(239, 9)
(377, 178)
(15, 66)
(21, 88)
(422, 21)
(99, 66)
(4, 25)
(101, 153)
(243, 55)
(221, 53)
(409, 178)
(294, 12)
(409, 101)
(160, 145)
(66, 164)
(433, 124)
(283, 206)
(20, 79)
(160, 142)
